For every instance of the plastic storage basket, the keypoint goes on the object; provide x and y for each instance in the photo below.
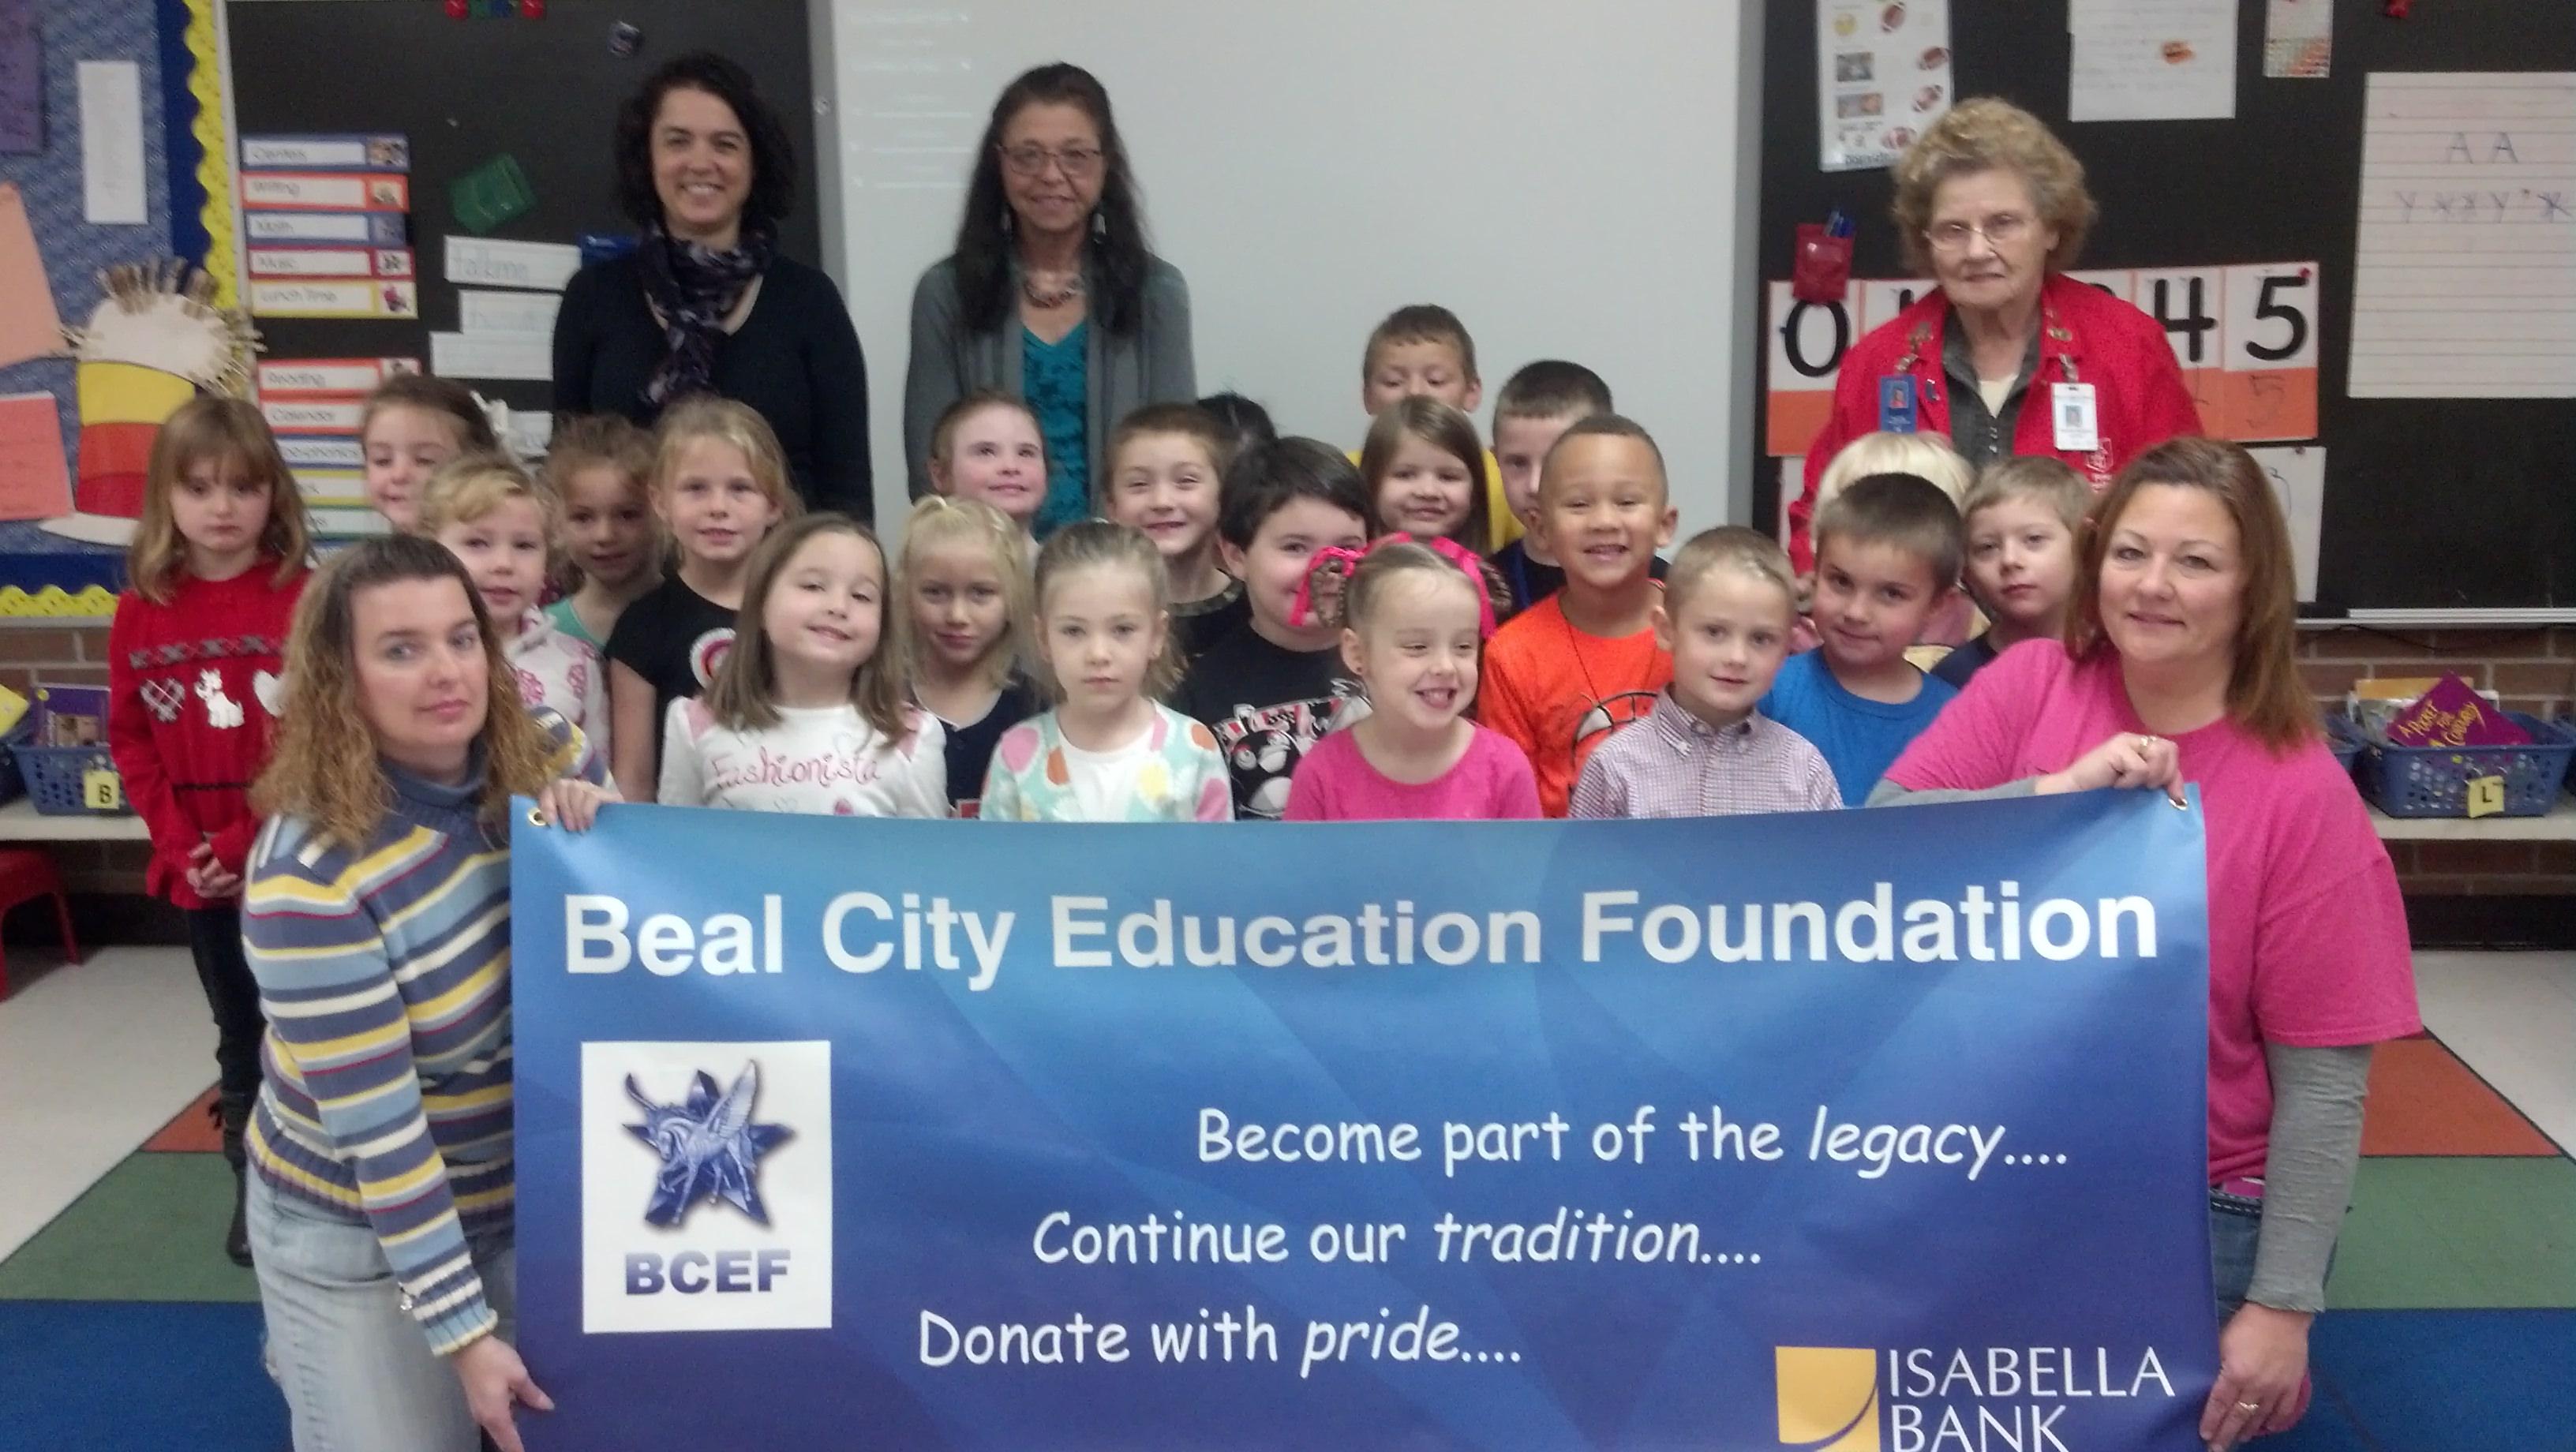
(2345, 740)
(2433, 781)
(57, 778)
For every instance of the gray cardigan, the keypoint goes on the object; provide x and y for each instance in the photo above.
(1151, 365)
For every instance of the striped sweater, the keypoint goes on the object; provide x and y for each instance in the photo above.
(385, 974)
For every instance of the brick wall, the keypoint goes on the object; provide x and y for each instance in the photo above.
(2534, 670)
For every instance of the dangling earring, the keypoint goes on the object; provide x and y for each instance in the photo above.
(1007, 225)
(1099, 223)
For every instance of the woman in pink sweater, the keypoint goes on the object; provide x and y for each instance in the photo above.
(2177, 668)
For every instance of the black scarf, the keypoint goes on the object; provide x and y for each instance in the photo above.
(695, 288)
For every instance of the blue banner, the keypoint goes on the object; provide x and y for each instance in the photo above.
(1861, 1131)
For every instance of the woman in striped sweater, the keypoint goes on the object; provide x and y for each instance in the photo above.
(377, 922)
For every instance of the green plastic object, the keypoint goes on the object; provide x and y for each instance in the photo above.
(490, 194)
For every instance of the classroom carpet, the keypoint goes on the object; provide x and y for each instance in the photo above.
(2452, 1329)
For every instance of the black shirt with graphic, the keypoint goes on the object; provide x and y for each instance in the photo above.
(674, 638)
(1268, 706)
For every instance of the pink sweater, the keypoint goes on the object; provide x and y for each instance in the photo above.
(1335, 783)
(2307, 935)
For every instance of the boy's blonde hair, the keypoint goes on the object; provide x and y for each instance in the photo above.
(704, 416)
(470, 486)
(2043, 477)
(1925, 456)
(938, 520)
(1737, 550)
(744, 694)
(597, 441)
(1099, 543)
(1420, 323)
(230, 429)
(1906, 511)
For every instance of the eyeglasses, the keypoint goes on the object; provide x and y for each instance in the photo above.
(2000, 230)
(1032, 159)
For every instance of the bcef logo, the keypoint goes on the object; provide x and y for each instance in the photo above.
(706, 1186)
(1957, 1399)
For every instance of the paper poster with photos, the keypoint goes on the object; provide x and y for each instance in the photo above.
(1882, 75)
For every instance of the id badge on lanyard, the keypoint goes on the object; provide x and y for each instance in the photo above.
(2076, 426)
(1897, 406)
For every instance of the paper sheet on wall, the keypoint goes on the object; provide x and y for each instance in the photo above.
(2464, 268)
(29, 326)
(2151, 60)
(2298, 476)
(522, 357)
(2298, 39)
(1882, 75)
(22, 79)
(34, 481)
(111, 120)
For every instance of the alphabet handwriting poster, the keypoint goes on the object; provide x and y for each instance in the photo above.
(2464, 268)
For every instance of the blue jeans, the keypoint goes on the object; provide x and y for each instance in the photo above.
(2235, 1227)
(357, 1372)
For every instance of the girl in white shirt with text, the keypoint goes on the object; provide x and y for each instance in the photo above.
(808, 712)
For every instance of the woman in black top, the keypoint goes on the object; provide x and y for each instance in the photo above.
(705, 304)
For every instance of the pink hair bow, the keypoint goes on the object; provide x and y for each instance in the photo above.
(1337, 562)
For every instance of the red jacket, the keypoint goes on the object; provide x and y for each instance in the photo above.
(194, 688)
(2138, 392)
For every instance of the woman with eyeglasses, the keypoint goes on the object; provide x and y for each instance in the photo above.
(1051, 295)
(706, 303)
(2008, 355)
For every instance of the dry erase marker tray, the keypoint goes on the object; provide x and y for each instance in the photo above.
(2452, 781)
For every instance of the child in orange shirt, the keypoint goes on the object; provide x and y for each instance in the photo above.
(1583, 662)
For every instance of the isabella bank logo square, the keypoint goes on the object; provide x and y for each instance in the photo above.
(706, 1186)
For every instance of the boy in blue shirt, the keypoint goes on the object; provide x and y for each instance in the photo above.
(1888, 551)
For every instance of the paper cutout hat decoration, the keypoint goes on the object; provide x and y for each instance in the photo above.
(152, 342)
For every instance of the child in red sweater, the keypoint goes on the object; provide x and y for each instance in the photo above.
(194, 657)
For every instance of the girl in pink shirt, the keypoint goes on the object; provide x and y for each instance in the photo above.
(2178, 668)
(1414, 620)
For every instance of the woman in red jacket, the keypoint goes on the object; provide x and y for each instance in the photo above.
(194, 674)
(2009, 356)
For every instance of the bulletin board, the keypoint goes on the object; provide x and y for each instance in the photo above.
(2428, 503)
(42, 573)
(543, 90)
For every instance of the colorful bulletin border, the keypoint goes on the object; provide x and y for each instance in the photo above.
(2245, 337)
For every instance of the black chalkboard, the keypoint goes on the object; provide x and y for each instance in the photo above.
(545, 91)
(2429, 503)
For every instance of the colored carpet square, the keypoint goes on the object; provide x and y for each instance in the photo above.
(152, 1229)
(2458, 1233)
(194, 1129)
(2446, 1381)
(105, 1375)
(2424, 1101)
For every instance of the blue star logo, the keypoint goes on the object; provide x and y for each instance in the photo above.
(710, 1149)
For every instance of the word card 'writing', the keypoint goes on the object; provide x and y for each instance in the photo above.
(2464, 280)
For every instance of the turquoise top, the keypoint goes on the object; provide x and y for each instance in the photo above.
(568, 620)
(1055, 378)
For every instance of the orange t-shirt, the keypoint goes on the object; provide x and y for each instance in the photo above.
(1559, 692)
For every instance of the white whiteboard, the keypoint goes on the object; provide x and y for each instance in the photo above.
(1575, 181)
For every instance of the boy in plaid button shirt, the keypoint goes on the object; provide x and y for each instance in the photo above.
(1703, 750)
